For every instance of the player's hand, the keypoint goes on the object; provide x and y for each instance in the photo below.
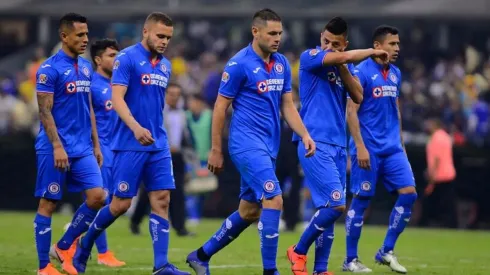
(310, 146)
(215, 161)
(429, 189)
(143, 136)
(382, 55)
(98, 156)
(363, 158)
(61, 158)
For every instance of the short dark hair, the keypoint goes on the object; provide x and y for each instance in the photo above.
(382, 31)
(264, 15)
(99, 46)
(337, 26)
(69, 19)
(160, 17)
(198, 97)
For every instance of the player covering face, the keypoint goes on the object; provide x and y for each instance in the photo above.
(377, 152)
(326, 80)
(67, 146)
(257, 81)
(141, 152)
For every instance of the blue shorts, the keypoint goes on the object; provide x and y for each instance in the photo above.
(258, 171)
(130, 167)
(108, 182)
(395, 170)
(84, 174)
(325, 174)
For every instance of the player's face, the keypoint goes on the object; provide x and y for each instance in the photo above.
(106, 60)
(76, 38)
(268, 36)
(173, 95)
(391, 44)
(332, 42)
(158, 36)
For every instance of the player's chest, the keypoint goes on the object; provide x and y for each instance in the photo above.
(104, 101)
(151, 76)
(331, 77)
(74, 79)
(384, 86)
(265, 81)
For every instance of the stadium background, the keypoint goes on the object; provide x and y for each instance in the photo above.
(444, 60)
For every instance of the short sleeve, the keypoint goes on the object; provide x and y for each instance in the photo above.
(121, 71)
(231, 80)
(356, 71)
(287, 78)
(46, 78)
(312, 59)
(351, 68)
(399, 86)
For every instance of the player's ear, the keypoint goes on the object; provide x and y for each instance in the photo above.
(98, 60)
(346, 45)
(376, 44)
(255, 31)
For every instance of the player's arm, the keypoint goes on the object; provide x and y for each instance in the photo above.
(45, 86)
(351, 83)
(121, 76)
(400, 121)
(353, 56)
(95, 135)
(291, 115)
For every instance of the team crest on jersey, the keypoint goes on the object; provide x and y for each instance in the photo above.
(269, 186)
(42, 79)
(377, 92)
(54, 188)
(163, 68)
(86, 72)
(336, 195)
(279, 68)
(116, 65)
(123, 186)
(225, 77)
(393, 78)
(366, 186)
(314, 52)
(71, 87)
(262, 86)
(145, 79)
(331, 76)
(108, 105)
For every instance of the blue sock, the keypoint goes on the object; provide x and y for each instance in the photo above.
(230, 230)
(101, 243)
(42, 229)
(323, 245)
(323, 218)
(103, 220)
(269, 236)
(399, 218)
(353, 226)
(79, 224)
(159, 231)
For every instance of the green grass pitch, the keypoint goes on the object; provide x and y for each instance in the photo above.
(421, 251)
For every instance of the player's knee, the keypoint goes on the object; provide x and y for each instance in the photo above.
(407, 190)
(159, 200)
(249, 212)
(407, 199)
(273, 203)
(96, 198)
(119, 206)
(46, 207)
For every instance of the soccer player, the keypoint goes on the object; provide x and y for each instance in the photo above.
(103, 53)
(67, 146)
(378, 152)
(140, 77)
(257, 80)
(325, 79)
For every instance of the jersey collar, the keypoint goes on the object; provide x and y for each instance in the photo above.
(97, 75)
(251, 51)
(147, 53)
(384, 70)
(66, 57)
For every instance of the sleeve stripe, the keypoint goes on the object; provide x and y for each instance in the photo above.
(119, 84)
(224, 95)
(45, 92)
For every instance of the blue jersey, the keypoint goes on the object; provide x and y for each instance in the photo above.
(323, 99)
(105, 116)
(68, 79)
(145, 96)
(257, 89)
(378, 113)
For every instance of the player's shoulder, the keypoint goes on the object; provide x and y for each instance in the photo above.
(85, 66)
(396, 69)
(127, 52)
(279, 57)
(166, 63)
(310, 52)
(49, 66)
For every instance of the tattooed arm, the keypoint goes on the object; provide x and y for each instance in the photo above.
(45, 103)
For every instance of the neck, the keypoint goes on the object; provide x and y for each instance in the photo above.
(377, 60)
(67, 51)
(103, 73)
(153, 55)
(265, 56)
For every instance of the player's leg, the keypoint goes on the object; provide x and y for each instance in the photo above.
(398, 176)
(48, 189)
(248, 212)
(106, 257)
(363, 188)
(327, 192)
(159, 180)
(127, 169)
